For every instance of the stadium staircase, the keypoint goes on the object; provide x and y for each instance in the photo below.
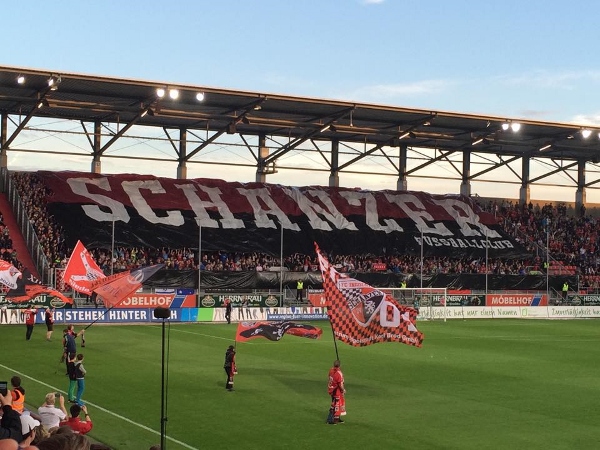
(18, 241)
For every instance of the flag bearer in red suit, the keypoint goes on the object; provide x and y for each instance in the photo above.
(29, 316)
(337, 391)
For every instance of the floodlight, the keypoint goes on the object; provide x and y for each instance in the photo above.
(160, 92)
(515, 126)
(200, 96)
(53, 82)
(174, 93)
(505, 126)
(20, 79)
(586, 133)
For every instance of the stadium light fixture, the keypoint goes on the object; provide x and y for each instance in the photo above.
(54, 81)
(160, 92)
(586, 133)
(515, 126)
(174, 94)
(148, 112)
(200, 96)
(505, 126)
(21, 79)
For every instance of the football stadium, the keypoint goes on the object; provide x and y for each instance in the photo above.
(191, 312)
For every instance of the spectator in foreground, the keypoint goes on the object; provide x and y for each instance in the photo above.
(18, 394)
(77, 425)
(50, 415)
(10, 424)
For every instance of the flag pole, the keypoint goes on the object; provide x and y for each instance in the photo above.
(337, 356)
(112, 247)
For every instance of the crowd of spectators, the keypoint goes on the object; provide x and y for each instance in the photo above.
(571, 237)
(47, 428)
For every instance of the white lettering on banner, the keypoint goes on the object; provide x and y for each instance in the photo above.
(418, 213)
(466, 218)
(133, 190)
(147, 301)
(117, 209)
(371, 214)
(463, 243)
(199, 207)
(85, 315)
(134, 314)
(257, 196)
(322, 210)
(512, 300)
(312, 210)
(240, 298)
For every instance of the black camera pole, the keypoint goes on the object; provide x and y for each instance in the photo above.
(164, 314)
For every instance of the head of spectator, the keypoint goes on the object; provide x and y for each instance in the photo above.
(50, 415)
(65, 441)
(9, 444)
(18, 394)
(77, 425)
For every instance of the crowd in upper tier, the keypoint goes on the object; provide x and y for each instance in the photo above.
(572, 237)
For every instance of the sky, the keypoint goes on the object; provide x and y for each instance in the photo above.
(533, 60)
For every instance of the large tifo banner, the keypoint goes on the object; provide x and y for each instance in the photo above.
(155, 212)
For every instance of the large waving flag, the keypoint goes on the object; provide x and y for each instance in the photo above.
(363, 315)
(274, 331)
(115, 288)
(82, 270)
(9, 274)
(28, 287)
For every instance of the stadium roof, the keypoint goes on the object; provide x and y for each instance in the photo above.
(131, 102)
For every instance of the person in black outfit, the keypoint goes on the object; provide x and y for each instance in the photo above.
(228, 310)
(10, 424)
(229, 367)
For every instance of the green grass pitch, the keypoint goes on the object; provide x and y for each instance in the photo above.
(487, 384)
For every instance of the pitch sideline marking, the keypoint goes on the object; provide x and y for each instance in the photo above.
(144, 427)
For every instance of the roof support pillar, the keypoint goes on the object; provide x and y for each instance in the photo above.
(182, 160)
(524, 194)
(580, 194)
(96, 163)
(402, 183)
(263, 153)
(334, 174)
(3, 134)
(465, 185)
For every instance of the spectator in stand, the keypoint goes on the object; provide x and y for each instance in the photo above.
(18, 394)
(50, 415)
(77, 425)
(10, 424)
(65, 441)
